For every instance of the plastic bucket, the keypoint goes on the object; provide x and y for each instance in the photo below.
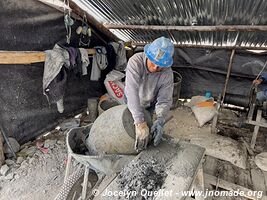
(105, 104)
(177, 80)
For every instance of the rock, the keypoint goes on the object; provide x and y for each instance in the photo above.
(24, 164)
(26, 145)
(15, 146)
(49, 143)
(32, 161)
(10, 162)
(27, 151)
(9, 176)
(20, 160)
(60, 142)
(17, 176)
(2, 178)
(69, 124)
(4, 169)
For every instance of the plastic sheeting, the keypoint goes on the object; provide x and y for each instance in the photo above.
(24, 111)
(205, 70)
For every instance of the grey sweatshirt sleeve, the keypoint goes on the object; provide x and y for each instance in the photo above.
(133, 77)
(164, 97)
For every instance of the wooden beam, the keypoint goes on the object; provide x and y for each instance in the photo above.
(245, 28)
(230, 186)
(93, 21)
(208, 46)
(26, 57)
(23, 57)
(60, 6)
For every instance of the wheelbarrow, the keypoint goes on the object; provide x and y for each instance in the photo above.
(89, 165)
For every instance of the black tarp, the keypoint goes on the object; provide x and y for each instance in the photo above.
(205, 70)
(29, 25)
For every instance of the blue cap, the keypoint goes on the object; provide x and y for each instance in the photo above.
(160, 52)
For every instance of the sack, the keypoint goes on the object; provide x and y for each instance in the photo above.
(203, 108)
(115, 86)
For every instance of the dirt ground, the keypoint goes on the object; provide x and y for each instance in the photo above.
(35, 175)
(39, 174)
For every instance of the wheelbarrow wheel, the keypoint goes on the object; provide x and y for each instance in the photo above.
(72, 187)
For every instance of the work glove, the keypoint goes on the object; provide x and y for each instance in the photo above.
(142, 135)
(157, 130)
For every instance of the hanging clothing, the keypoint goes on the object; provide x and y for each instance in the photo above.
(121, 60)
(85, 60)
(75, 60)
(55, 76)
(100, 62)
(59, 62)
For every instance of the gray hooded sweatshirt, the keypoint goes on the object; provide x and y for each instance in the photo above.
(144, 89)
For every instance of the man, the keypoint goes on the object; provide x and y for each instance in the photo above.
(149, 84)
(261, 96)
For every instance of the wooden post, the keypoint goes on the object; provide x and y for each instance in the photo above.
(2, 157)
(228, 75)
(199, 183)
(256, 130)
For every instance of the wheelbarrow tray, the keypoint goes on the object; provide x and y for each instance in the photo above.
(106, 163)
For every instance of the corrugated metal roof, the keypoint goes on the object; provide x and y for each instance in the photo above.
(180, 13)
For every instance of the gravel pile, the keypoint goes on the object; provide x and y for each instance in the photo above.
(141, 176)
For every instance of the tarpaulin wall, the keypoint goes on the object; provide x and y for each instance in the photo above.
(29, 25)
(205, 70)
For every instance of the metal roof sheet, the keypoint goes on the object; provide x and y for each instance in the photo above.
(183, 13)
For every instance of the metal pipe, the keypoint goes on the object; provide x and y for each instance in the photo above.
(245, 28)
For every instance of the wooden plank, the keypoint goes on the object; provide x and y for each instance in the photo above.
(243, 178)
(265, 179)
(23, 57)
(199, 183)
(104, 184)
(26, 57)
(258, 182)
(230, 186)
(210, 165)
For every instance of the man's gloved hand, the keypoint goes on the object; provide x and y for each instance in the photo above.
(142, 135)
(157, 130)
